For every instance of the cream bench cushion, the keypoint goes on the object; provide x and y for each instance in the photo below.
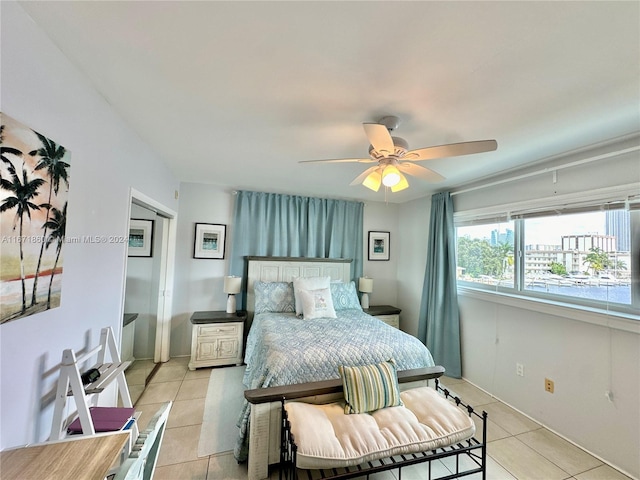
(328, 438)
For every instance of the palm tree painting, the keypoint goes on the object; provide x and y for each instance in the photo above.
(51, 158)
(57, 223)
(34, 185)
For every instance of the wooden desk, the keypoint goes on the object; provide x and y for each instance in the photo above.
(84, 457)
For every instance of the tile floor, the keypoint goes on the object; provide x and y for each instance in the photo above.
(518, 448)
(136, 375)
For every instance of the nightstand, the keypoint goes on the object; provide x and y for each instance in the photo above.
(216, 338)
(387, 313)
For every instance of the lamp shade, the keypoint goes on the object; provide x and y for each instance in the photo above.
(390, 176)
(373, 181)
(401, 185)
(232, 284)
(365, 284)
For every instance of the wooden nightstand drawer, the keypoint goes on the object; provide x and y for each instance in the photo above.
(387, 313)
(393, 320)
(219, 329)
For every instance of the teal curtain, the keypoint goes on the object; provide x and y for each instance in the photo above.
(270, 224)
(439, 322)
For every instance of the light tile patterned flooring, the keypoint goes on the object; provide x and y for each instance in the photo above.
(518, 448)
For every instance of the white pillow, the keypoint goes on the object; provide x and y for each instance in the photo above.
(307, 283)
(317, 304)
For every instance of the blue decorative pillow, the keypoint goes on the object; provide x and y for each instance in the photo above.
(370, 387)
(345, 296)
(273, 297)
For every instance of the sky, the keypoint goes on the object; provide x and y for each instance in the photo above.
(547, 230)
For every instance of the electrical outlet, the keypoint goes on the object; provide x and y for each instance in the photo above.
(548, 385)
(520, 369)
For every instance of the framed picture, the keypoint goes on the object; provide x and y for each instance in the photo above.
(209, 240)
(140, 238)
(28, 287)
(379, 245)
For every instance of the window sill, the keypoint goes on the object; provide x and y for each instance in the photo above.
(617, 320)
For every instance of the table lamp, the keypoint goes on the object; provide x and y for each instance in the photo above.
(232, 285)
(365, 285)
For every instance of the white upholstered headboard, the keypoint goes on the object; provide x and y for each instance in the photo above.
(285, 269)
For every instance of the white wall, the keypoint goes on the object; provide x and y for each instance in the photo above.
(587, 177)
(583, 359)
(198, 282)
(414, 225)
(382, 217)
(41, 89)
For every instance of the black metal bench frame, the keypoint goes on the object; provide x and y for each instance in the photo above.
(472, 448)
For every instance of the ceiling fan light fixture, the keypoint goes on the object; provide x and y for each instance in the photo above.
(401, 185)
(392, 156)
(373, 181)
(390, 176)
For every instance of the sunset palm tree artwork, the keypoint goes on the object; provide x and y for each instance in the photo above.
(22, 193)
(51, 158)
(34, 185)
(57, 223)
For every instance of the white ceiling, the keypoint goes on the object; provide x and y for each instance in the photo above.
(237, 93)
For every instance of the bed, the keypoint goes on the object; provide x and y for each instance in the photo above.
(282, 349)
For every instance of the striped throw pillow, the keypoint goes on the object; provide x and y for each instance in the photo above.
(370, 387)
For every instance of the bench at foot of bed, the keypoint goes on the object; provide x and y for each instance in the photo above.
(265, 420)
(322, 442)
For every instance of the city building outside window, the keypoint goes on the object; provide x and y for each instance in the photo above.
(584, 258)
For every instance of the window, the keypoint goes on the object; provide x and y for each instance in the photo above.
(585, 257)
(485, 254)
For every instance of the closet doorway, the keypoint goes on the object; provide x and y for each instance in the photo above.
(147, 299)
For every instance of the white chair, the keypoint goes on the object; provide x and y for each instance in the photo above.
(142, 460)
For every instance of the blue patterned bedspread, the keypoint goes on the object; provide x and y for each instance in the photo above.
(285, 350)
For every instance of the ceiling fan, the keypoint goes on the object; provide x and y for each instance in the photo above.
(393, 157)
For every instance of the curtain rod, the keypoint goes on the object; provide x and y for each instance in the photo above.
(549, 169)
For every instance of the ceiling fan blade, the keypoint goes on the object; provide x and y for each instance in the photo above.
(420, 172)
(451, 150)
(360, 178)
(340, 160)
(379, 137)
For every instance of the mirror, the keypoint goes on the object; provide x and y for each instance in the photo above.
(144, 282)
